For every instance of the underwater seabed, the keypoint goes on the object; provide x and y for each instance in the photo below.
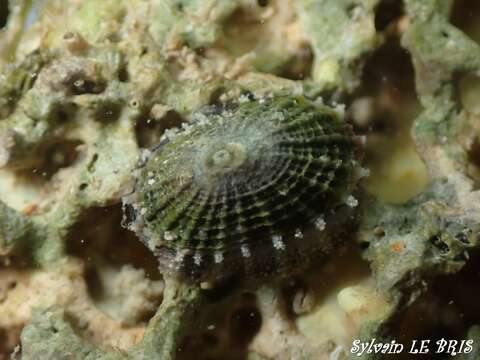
(91, 89)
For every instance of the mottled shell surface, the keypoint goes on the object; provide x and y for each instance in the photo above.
(237, 192)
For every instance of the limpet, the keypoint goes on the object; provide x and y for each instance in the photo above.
(238, 191)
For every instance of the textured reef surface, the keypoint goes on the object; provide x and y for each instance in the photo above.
(237, 179)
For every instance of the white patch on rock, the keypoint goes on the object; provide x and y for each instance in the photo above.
(243, 99)
(278, 242)
(298, 233)
(218, 257)
(197, 259)
(364, 172)
(179, 256)
(169, 235)
(320, 223)
(245, 251)
(351, 201)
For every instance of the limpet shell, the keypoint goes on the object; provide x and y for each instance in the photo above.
(235, 192)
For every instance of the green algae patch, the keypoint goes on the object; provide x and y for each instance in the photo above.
(95, 18)
(341, 34)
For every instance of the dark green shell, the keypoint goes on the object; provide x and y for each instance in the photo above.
(238, 191)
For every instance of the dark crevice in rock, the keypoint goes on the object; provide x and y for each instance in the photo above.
(60, 155)
(224, 331)
(465, 15)
(467, 90)
(384, 109)
(4, 13)
(123, 75)
(9, 338)
(108, 241)
(149, 131)
(108, 112)
(387, 102)
(63, 113)
(262, 3)
(117, 266)
(245, 321)
(387, 12)
(473, 153)
(246, 31)
(447, 310)
(389, 80)
(56, 155)
(300, 67)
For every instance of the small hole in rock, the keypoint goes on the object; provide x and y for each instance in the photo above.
(149, 131)
(437, 241)
(247, 30)
(9, 339)
(215, 95)
(298, 298)
(210, 339)
(93, 283)
(134, 103)
(364, 245)
(85, 86)
(68, 35)
(4, 13)
(462, 257)
(465, 15)
(118, 266)
(107, 239)
(5, 347)
(447, 310)
(299, 67)
(55, 156)
(462, 237)
(123, 74)
(12, 285)
(60, 155)
(222, 290)
(21, 260)
(63, 113)
(108, 113)
(473, 153)
(200, 51)
(386, 12)
(262, 3)
(91, 164)
(245, 322)
(350, 9)
(129, 215)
